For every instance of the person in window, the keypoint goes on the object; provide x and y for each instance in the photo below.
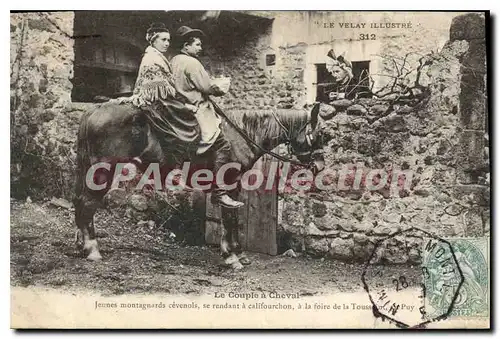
(194, 86)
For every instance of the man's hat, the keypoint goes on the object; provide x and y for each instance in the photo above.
(185, 31)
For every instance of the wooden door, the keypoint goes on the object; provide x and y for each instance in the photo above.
(258, 219)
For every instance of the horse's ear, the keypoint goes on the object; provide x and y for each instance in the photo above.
(314, 115)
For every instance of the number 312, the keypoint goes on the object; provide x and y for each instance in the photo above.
(367, 37)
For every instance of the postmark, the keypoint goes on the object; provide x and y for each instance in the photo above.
(473, 297)
(397, 278)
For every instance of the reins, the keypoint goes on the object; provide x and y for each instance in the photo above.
(253, 143)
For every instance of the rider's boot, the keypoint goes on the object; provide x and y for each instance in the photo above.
(222, 156)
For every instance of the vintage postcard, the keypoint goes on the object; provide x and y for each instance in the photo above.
(249, 170)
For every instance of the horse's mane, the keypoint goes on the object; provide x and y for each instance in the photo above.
(260, 124)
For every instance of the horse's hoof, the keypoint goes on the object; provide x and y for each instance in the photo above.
(79, 240)
(94, 256)
(233, 262)
(245, 261)
(237, 266)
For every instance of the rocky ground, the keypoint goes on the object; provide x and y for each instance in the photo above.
(143, 259)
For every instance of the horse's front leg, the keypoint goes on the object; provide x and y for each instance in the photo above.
(234, 239)
(229, 223)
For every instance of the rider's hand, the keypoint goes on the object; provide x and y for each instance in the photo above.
(193, 108)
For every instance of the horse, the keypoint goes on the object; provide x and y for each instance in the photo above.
(119, 130)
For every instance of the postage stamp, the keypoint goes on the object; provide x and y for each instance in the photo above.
(472, 256)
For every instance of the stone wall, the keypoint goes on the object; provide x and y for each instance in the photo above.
(252, 85)
(430, 140)
(43, 120)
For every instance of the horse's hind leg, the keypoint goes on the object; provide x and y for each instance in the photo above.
(85, 208)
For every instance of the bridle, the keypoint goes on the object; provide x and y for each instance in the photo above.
(288, 136)
(288, 140)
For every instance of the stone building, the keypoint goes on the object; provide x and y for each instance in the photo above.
(275, 58)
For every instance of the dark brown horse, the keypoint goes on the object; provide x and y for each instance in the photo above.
(120, 131)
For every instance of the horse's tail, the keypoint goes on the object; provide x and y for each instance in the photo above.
(83, 154)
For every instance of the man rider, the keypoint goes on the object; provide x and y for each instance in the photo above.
(194, 85)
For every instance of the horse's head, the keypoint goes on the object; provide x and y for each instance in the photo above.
(308, 142)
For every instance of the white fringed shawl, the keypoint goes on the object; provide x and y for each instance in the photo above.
(155, 80)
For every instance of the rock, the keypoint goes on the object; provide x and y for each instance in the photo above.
(316, 246)
(467, 27)
(327, 112)
(356, 110)
(423, 192)
(367, 101)
(379, 254)
(290, 253)
(429, 160)
(444, 198)
(345, 235)
(311, 229)
(357, 124)
(381, 230)
(392, 217)
(377, 125)
(28, 200)
(354, 194)
(378, 109)
(138, 202)
(346, 225)
(332, 233)
(362, 252)
(319, 209)
(328, 222)
(341, 249)
(61, 203)
(41, 24)
(404, 110)
(360, 238)
(293, 219)
(396, 256)
(23, 130)
(451, 220)
(393, 123)
(474, 194)
(414, 256)
(363, 226)
(359, 212)
(341, 104)
(116, 197)
(473, 223)
(372, 119)
(395, 229)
